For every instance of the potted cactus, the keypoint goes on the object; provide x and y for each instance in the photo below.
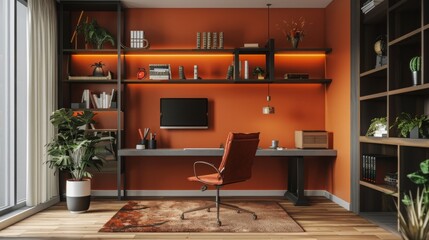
(415, 64)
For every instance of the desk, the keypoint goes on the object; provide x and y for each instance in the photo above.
(296, 178)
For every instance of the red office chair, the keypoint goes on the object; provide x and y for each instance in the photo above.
(236, 166)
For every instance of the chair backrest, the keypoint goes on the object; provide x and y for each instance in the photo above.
(238, 157)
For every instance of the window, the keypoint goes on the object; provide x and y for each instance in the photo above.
(13, 104)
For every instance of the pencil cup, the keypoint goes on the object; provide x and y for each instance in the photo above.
(152, 144)
(145, 143)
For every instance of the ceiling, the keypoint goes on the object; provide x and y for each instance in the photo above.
(225, 3)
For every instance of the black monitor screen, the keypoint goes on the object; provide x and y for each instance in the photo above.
(184, 113)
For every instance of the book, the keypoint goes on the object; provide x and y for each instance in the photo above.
(159, 71)
(375, 167)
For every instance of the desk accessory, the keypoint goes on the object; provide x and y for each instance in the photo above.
(311, 139)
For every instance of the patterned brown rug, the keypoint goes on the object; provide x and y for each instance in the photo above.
(164, 216)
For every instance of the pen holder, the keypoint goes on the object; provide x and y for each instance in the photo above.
(152, 144)
(145, 142)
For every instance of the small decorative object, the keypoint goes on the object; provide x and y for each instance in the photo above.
(220, 40)
(181, 73)
(195, 71)
(380, 48)
(259, 72)
(293, 31)
(198, 40)
(415, 64)
(214, 45)
(204, 40)
(141, 73)
(378, 127)
(230, 72)
(98, 69)
(246, 69)
(209, 40)
(94, 34)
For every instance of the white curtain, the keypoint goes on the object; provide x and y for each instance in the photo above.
(42, 185)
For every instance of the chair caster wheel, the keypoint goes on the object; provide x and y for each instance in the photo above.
(182, 216)
(255, 217)
(219, 223)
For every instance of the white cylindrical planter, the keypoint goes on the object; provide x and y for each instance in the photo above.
(78, 195)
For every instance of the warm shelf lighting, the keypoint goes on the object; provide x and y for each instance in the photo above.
(179, 55)
(300, 55)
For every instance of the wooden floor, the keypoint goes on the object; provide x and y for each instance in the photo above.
(323, 219)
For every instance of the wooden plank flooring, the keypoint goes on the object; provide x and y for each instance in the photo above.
(322, 220)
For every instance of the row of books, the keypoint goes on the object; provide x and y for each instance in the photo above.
(159, 71)
(375, 168)
(101, 100)
(136, 39)
(369, 5)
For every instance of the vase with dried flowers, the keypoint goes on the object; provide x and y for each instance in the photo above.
(293, 31)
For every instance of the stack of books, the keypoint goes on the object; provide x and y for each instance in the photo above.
(102, 100)
(369, 5)
(375, 168)
(159, 71)
(136, 38)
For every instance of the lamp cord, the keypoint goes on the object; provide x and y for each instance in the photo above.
(268, 17)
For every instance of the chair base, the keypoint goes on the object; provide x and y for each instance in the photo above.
(216, 205)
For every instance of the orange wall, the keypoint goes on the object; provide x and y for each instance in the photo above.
(338, 93)
(232, 107)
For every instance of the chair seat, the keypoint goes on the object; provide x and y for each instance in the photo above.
(210, 179)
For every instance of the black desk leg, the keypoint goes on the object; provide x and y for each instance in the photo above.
(295, 191)
(118, 177)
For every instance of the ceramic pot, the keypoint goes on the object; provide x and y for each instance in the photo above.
(78, 195)
(98, 71)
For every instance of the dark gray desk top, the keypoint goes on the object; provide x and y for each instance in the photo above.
(215, 152)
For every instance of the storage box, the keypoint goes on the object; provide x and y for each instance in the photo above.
(311, 139)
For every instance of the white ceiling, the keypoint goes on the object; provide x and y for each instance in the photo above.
(225, 3)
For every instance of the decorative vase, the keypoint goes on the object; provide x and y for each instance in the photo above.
(78, 195)
(295, 42)
(415, 77)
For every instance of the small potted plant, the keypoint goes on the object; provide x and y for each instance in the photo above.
(413, 127)
(378, 127)
(94, 34)
(75, 150)
(259, 72)
(414, 224)
(98, 69)
(415, 64)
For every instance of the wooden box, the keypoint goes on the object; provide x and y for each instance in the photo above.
(311, 139)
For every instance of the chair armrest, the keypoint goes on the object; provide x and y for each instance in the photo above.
(208, 164)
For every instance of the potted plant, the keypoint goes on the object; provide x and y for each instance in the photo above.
(293, 31)
(94, 34)
(413, 127)
(259, 72)
(98, 69)
(415, 64)
(415, 223)
(75, 150)
(378, 127)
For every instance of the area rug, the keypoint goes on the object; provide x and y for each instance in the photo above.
(164, 216)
